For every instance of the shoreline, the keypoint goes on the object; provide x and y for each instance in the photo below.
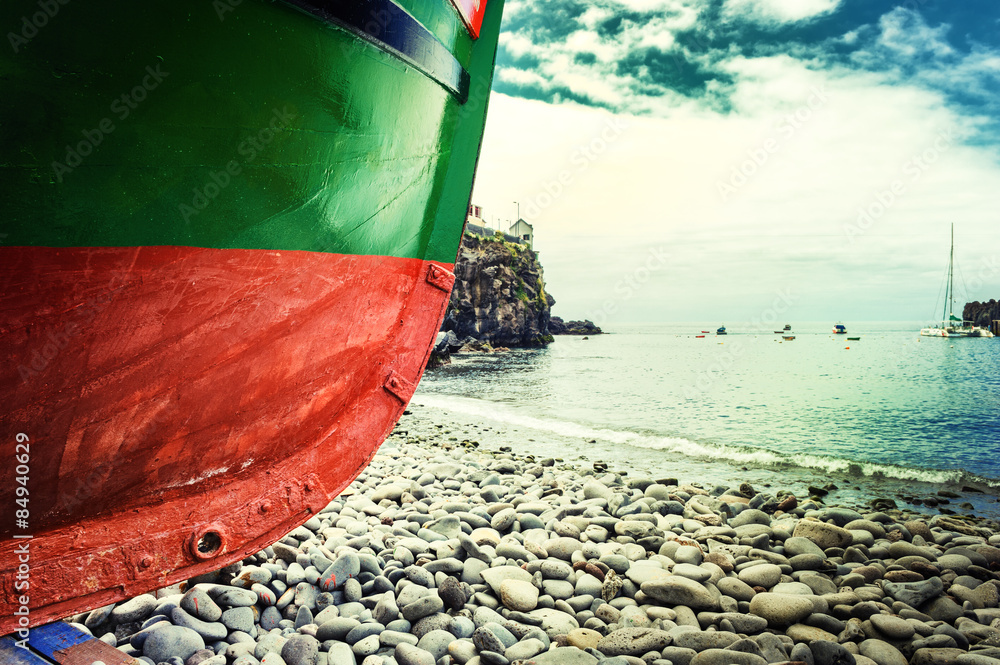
(445, 553)
(843, 489)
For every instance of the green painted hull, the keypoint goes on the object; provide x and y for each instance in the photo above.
(234, 124)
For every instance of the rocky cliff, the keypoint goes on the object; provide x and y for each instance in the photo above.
(981, 313)
(499, 295)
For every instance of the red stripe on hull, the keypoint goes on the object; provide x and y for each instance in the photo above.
(170, 391)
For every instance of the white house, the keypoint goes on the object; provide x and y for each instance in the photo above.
(524, 231)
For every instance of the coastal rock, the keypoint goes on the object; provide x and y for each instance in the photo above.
(499, 294)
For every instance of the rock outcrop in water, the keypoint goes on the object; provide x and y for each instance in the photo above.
(981, 313)
(559, 327)
(499, 296)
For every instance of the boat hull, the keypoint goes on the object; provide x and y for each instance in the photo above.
(217, 314)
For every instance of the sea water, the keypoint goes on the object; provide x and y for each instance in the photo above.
(891, 415)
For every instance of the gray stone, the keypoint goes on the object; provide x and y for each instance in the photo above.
(210, 631)
(197, 603)
(520, 595)
(526, 648)
(238, 618)
(726, 657)
(407, 654)
(676, 590)
(765, 575)
(633, 641)
(914, 594)
(168, 641)
(270, 618)
(495, 576)
(892, 627)
(699, 641)
(436, 643)
(346, 566)
(336, 629)
(422, 607)
(565, 656)
(824, 535)
(234, 597)
(736, 588)
(340, 654)
(830, 653)
(300, 650)
(134, 610)
(781, 610)
(797, 545)
(552, 621)
(487, 640)
(881, 652)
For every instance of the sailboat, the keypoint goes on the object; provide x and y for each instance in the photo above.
(951, 325)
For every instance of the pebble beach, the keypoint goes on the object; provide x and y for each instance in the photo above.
(445, 552)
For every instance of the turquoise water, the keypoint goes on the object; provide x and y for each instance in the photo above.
(892, 415)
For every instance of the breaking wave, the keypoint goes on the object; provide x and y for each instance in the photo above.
(700, 450)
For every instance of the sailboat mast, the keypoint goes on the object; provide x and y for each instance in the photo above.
(950, 295)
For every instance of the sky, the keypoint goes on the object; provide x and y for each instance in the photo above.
(741, 160)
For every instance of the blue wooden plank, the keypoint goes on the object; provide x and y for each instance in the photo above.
(11, 654)
(67, 645)
(56, 636)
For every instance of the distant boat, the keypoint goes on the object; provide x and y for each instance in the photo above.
(706, 331)
(699, 336)
(853, 339)
(951, 325)
(788, 326)
(788, 338)
(721, 330)
(839, 329)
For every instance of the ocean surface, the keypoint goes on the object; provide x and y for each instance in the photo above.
(891, 415)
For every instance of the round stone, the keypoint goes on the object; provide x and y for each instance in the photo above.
(519, 595)
(172, 641)
(780, 609)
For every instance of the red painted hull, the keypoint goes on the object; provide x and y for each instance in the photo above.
(174, 396)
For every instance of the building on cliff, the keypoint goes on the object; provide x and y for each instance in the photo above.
(525, 231)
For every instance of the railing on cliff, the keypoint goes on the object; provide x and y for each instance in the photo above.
(486, 232)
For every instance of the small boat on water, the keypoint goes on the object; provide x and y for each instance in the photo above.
(853, 339)
(788, 326)
(788, 338)
(229, 236)
(699, 336)
(721, 330)
(951, 325)
(839, 329)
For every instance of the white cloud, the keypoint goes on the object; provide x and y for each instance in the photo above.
(778, 12)
(602, 198)
(905, 32)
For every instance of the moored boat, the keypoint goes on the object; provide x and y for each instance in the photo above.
(230, 234)
(788, 338)
(721, 330)
(839, 329)
(952, 326)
